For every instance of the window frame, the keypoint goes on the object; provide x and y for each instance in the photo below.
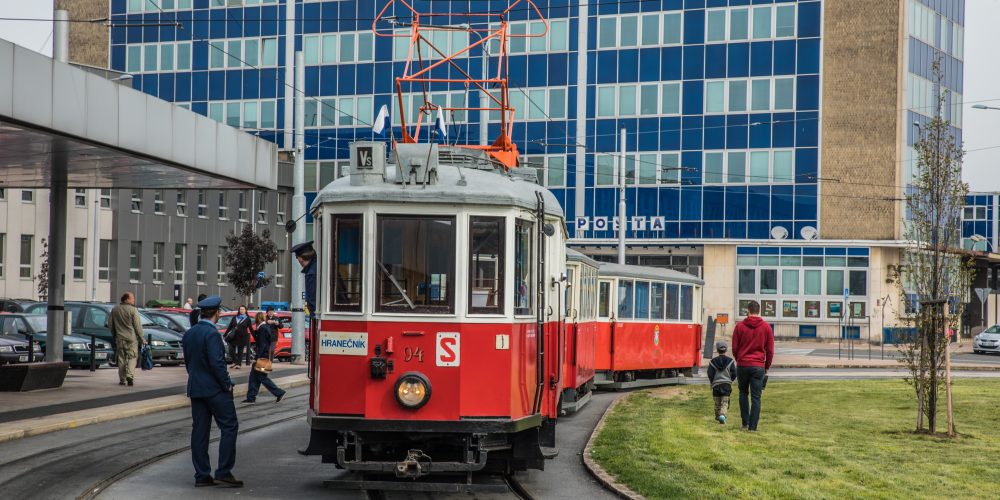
(501, 264)
(450, 308)
(333, 306)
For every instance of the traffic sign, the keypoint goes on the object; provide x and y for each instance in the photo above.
(982, 293)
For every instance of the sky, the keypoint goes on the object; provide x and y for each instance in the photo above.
(982, 77)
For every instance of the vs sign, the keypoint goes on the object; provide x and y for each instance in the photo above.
(448, 352)
(366, 158)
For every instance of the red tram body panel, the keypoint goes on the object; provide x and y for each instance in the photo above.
(645, 346)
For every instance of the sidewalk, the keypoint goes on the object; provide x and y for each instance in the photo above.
(92, 397)
(806, 354)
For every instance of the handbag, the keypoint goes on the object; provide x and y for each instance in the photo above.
(146, 358)
(262, 365)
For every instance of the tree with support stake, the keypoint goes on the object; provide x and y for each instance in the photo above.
(247, 255)
(935, 273)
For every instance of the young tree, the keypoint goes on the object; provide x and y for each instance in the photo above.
(246, 256)
(43, 272)
(935, 275)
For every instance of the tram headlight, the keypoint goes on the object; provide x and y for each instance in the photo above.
(413, 390)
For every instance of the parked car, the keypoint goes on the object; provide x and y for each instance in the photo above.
(76, 350)
(987, 341)
(15, 350)
(15, 305)
(177, 320)
(91, 318)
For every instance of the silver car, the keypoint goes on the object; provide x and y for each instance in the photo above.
(987, 341)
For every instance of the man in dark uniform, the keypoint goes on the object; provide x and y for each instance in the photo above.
(306, 255)
(211, 393)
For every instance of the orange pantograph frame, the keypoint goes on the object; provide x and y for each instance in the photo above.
(415, 72)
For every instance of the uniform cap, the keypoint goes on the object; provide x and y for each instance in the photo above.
(302, 247)
(210, 302)
(721, 346)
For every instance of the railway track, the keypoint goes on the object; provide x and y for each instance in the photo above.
(515, 491)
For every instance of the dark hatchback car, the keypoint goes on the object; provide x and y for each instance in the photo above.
(15, 305)
(177, 322)
(91, 318)
(15, 350)
(76, 350)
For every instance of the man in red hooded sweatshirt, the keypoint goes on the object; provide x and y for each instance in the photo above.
(753, 347)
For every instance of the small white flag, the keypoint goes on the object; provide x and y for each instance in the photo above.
(440, 125)
(382, 120)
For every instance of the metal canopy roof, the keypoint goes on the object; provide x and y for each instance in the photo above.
(114, 136)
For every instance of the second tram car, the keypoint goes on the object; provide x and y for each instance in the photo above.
(648, 329)
(580, 330)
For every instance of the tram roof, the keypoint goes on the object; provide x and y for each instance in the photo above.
(649, 273)
(575, 256)
(481, 187)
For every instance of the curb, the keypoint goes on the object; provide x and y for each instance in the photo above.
(965, 368)
(35, 426)
(602, 476)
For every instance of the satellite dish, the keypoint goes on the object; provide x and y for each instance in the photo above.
(809, 233)
(779, 233)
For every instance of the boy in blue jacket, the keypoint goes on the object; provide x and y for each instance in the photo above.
(721, 374)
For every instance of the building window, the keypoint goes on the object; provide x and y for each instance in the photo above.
(27, 196)
(279, 275)
(104, 261)
(27, 247)
(181, 203)
(765, 167)
(202, 207)
(223, 208)
(201, 258)
(3, 194)
(80, 197)
(136, 201)
(279, 212)
(242, 205)
(220, 266)
(179, 250)
(158, 202)
(243, 53)
(262, 208)
(79, 255)
(158, 251)
(3, 254)
(105, 198)
(135, 261)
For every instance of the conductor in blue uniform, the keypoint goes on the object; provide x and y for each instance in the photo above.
(305, 254)
(211, 393)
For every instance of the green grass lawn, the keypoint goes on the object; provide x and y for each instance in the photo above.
(822, 439)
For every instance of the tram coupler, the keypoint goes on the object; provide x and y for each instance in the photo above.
(415, 465)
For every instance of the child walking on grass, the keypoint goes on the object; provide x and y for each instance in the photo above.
(721, 374)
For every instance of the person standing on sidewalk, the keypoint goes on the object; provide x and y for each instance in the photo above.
(126, 329)
(266, 336)
(753, 347)
(211, 393)
(238, 336)
(195, 314)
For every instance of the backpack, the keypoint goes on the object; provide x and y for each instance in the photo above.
(722, 375)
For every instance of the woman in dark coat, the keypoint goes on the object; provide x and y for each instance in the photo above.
(267, 336)
(238, 337)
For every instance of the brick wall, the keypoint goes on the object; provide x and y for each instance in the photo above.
(88, 42)
(861, 94)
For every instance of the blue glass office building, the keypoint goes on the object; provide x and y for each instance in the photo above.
(722, 104)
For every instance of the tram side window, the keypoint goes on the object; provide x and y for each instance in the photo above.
(641, 300)
(523, 284)
(672, 300)
(687, 302)
(624, 299)
(604, 302)
(486, 265)
(569, 289)
(656, 309)
(415, 264)
(347, 241)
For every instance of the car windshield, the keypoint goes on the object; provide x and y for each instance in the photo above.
(183, 320)
(992, 329)
(37, 323)
(146, 320)
(224, 321)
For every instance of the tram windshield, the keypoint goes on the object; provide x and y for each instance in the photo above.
(486, 264)
(415, 264)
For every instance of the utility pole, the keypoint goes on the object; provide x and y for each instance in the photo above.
(947, 368)
(57, 212)
(96, 246)
(622, 220)
(299, 210)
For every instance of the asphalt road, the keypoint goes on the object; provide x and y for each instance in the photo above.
(146, 457)
(861, 353)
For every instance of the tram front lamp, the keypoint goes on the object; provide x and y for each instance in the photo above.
(413, 390)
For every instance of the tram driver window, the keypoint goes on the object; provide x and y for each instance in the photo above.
(604, 299)
(486, 243)
(624, 299)
(415, 264)
(523, 285)
(347, 238)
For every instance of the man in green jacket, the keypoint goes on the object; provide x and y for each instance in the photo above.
(126, 326)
